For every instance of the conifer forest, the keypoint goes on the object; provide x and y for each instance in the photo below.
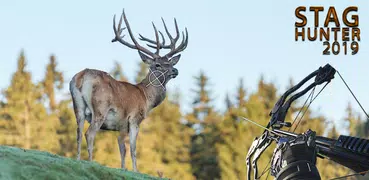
(207, 142)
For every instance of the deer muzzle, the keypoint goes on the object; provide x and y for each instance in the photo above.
(174, 73)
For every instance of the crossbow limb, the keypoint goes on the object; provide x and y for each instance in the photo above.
(346, 147)
(278, 113)
(259, 145)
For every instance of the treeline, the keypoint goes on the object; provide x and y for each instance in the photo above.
(205, 143)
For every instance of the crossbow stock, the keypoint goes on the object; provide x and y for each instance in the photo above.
(348, 151)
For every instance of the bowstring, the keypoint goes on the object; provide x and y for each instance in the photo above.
(362, 108)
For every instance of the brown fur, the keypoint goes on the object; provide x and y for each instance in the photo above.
(126, 104)
(116, 95)
(79, 79)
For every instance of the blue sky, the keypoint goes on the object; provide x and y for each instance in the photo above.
(227, 39)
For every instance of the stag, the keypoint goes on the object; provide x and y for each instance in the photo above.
(113, 105)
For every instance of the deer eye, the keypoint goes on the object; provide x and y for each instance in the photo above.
(157, 65)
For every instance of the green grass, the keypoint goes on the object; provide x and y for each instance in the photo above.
(17, 163)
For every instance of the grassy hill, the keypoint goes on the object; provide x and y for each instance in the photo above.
(16, 163)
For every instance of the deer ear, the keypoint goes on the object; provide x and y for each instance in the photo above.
(175, 59)
(145, 59)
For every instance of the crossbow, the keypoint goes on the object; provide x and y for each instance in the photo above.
(351, 152)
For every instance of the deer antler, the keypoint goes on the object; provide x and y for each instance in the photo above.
(161, 45)
(118, 37)
(173, 41)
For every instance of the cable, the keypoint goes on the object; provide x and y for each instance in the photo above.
(267, 175)
(293, 122)
(309, 106)
(265, 169)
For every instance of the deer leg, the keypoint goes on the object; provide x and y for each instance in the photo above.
(79, 108)
(122, 148)
(80, 124)
(94, 127)
(133, 132)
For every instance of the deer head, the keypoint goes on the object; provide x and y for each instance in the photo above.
(157, 63)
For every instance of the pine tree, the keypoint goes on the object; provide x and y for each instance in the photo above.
(6, 128)
(53, 80)
(352, 120)
(67, 129)
(203, 151)
(175, 97)
(142, 72)
(360, 127)
(231, 147)
(269, 93)
(241, 94)
(170, 141)
(366, 128)
(19, 101)
(117, 72)
(333, 133)
(228, 102)
(202, 101)
(24, 109)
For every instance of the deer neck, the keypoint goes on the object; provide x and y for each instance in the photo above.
(154, 93)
